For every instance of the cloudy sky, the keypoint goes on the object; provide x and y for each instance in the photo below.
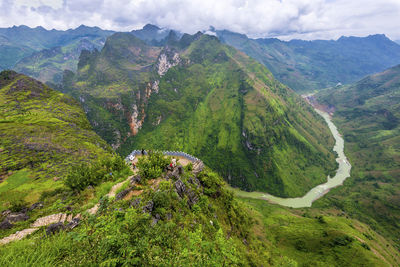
(286, 19)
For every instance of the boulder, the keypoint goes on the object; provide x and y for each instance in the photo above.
(5, 224)
(180, 188)
(195, 181)
(135, 179)
(155, 219)
(6, 213)
(54, 228)
(180, 169)
(192, 197)
(135, 203)
(198, 167)
(175, 173)
(37, 205)
(148, 208)
(74, 223)
(16, 217)
(122, 194)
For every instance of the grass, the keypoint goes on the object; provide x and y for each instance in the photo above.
(367, 114)
(43, 133)
(314, 239)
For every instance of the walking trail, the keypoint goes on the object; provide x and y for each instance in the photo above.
(62, 217)
(59, 217)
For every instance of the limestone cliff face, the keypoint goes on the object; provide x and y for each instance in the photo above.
(167, 59)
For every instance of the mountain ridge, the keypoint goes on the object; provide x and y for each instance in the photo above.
(156, 101)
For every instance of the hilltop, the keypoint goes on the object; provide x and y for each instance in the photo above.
(198, 95)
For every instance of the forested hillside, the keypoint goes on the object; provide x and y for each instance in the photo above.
(368, 114)
(200, 96)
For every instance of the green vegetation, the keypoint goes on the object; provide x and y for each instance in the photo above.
(215, 103)
(152, 166)
(368, 114)
(312, 238)
(213, 231)
(195, 220)
(42, 133)
(48, 65)
(84, 175)
(309, 65)
(44, 54)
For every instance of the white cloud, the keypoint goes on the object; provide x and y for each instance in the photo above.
(305, 19)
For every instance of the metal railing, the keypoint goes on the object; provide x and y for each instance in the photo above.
(167, 153)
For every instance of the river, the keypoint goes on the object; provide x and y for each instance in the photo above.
(342, 173)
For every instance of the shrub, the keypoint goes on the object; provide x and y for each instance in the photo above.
(153, 165)
(83, 175)
(18, 205)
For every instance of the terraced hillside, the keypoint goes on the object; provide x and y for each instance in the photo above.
(42, 133)
(200, 96)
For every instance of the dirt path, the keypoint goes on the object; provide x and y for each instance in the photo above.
(43, 221)
(59, 217)
(112, 193)
(63, 217)
(183, 161)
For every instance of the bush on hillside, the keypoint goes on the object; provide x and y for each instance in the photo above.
(105, 169)
(153, 165)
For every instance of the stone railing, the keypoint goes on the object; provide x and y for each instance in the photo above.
(167, 153)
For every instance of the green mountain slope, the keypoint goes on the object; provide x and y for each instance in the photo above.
(311, 65)
(48, 65)
(188, 217)
(42, 133)
(207, 99)
(44, 54)
(368, 114)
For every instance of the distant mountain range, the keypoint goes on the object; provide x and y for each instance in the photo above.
(312, 65)
(160, 89)
(302, 65)
(45, 54)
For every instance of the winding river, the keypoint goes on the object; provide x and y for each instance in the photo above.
(342, 173)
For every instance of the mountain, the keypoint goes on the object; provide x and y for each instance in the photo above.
(44, 54)
(42, 133)
(152, 34)
(368, 114)
(312, 65)
(48, 65)
(186, 215)
(200, 96)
